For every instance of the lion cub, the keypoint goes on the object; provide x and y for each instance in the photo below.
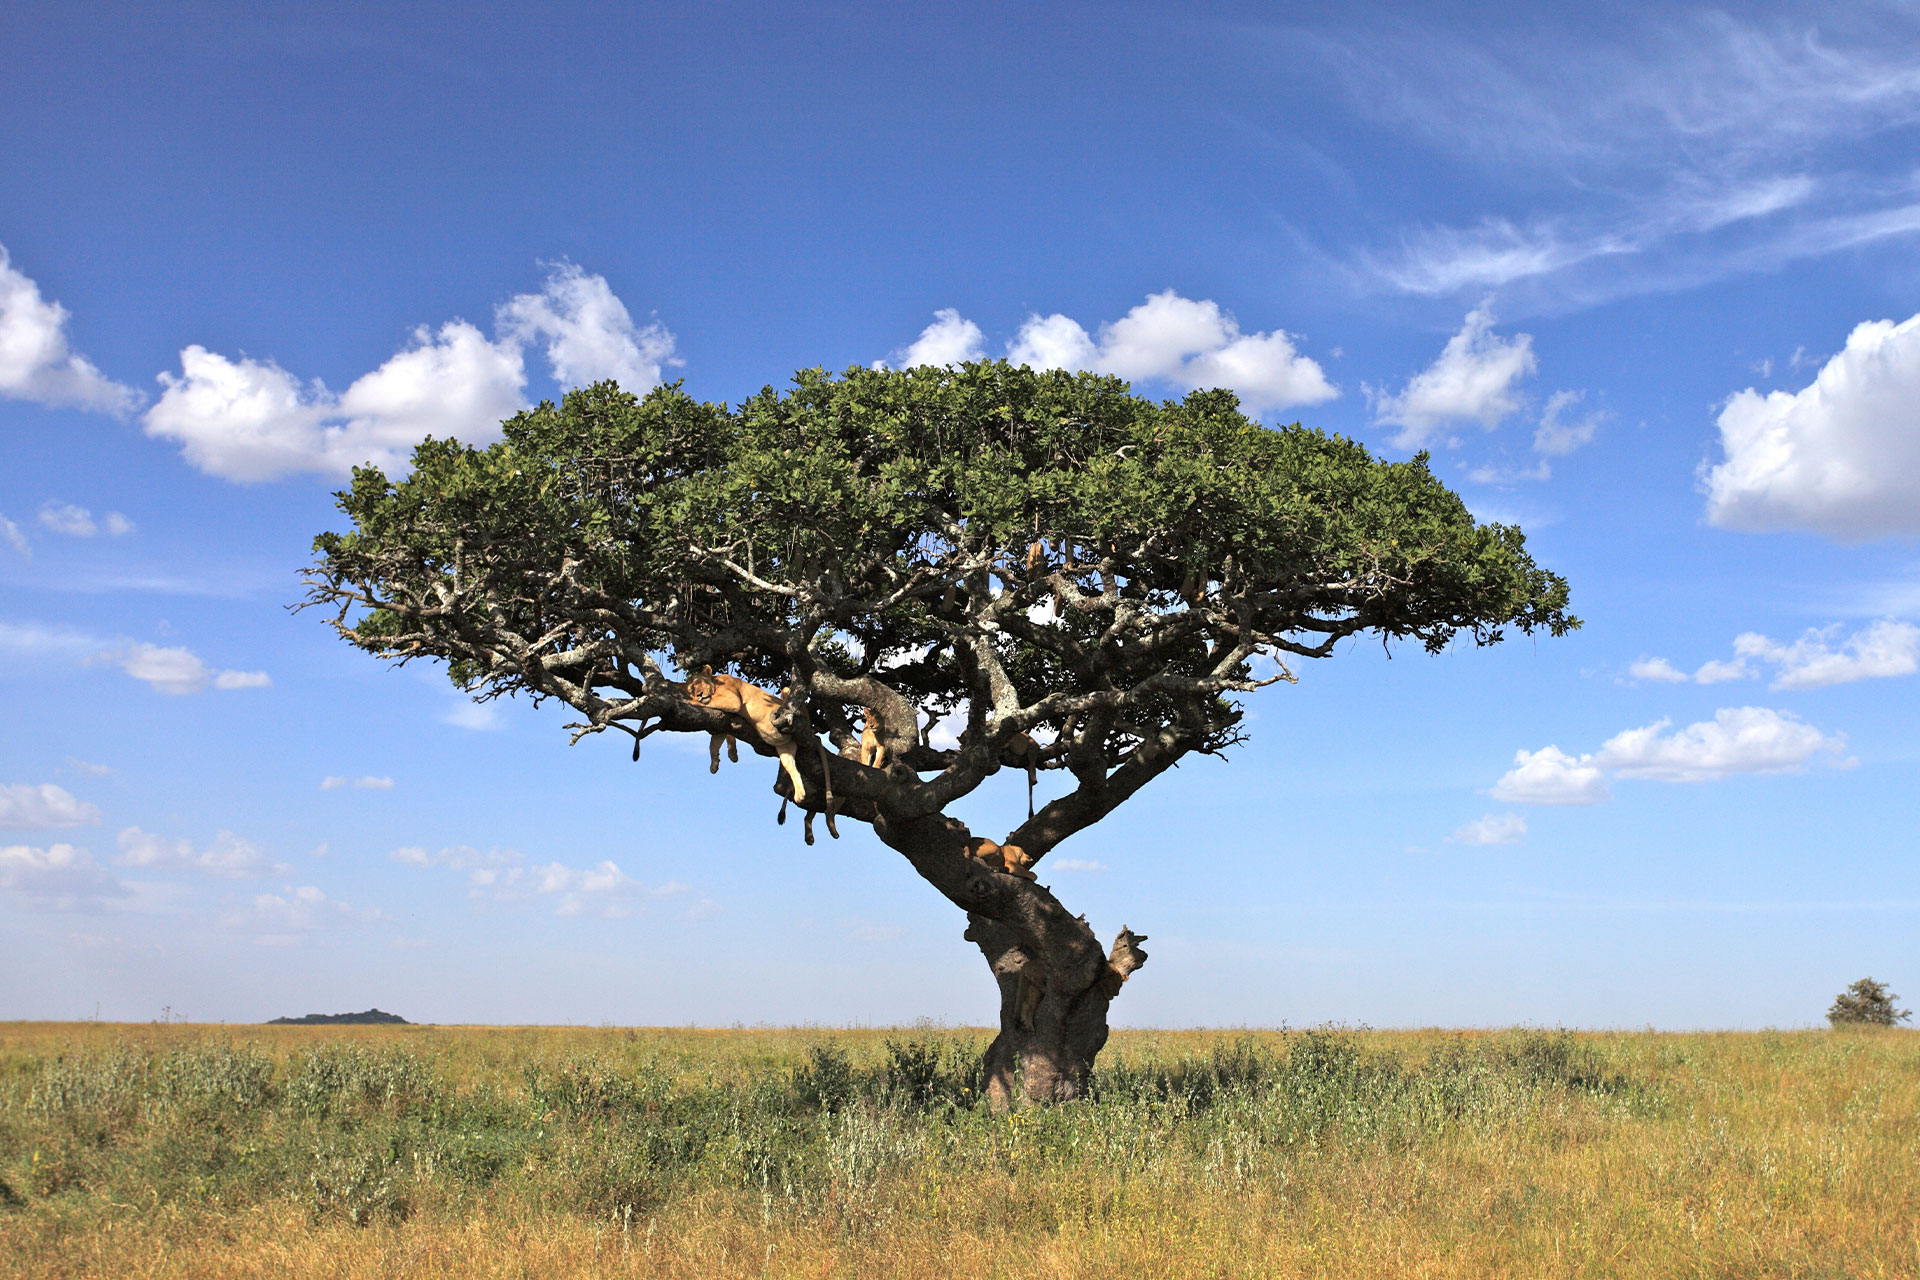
(765, 712)
(1008, 858)
(873, 752)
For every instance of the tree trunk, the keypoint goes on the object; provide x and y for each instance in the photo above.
(1051, 1028)
(1055, 980)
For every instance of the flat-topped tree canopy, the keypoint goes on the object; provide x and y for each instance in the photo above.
(1075, 576)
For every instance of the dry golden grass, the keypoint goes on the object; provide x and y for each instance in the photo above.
(1373, 1154)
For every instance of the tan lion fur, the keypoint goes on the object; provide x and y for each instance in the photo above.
(758, 708)
(1009, 859)
(873, 752)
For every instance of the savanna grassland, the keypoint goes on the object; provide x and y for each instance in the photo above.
(134, 1151)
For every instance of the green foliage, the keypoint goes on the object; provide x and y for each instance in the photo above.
(923, 1074)
(825, 1081)
(355, 1184)
(881, 491)
(1866, 1003)
(215, 1076)
(345, 1078)
(588, 1087)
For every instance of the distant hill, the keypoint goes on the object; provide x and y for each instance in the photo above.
(372, 1017)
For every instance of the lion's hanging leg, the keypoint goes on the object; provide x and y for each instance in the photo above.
(826, 771)
(713, 751)
(1030, 780)
(806, 825)
(790, 762)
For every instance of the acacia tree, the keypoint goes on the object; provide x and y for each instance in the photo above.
(1866, 1003)
(1067, 575)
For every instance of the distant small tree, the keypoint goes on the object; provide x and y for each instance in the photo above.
(1866, 1004)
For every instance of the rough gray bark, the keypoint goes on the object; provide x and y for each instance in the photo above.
(1055, 981)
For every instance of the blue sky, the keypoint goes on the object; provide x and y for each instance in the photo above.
(1643, 281)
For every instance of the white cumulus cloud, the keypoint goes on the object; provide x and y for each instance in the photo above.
(178, 670)
(589, 334)
(1658, 670)
(228, 856)
(1736, 740)
(245, 419)
(603, 889)
(282, 919)
(1820, 657)
(1475, 379)
(250, 420)
(14, 536)
(1551, 776)
(25, 807)
(36, 362)
(950, 339)
(63, 875)
(366, 783)
(1189, 343)
(1492, 828)
(1814, 661)
(1841, 456)
(1053, 342)
(456, 857)
(501, 875)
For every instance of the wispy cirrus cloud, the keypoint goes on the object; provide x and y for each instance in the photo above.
(78, 522)
(32, 641)
(1492, 828)
(1688, 145)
